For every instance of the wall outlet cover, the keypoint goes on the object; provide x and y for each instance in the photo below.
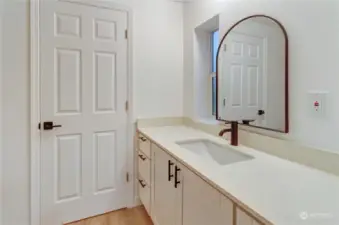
(317, 103)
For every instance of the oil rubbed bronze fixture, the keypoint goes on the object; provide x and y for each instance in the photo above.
(234, 132)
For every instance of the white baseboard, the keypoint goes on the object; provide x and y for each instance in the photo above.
(136, 202)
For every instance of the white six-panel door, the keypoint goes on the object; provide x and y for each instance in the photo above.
(242, 75)
(83, 89)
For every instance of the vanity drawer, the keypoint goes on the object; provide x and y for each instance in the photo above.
(144, 166)
(144, 145)
(144, 194)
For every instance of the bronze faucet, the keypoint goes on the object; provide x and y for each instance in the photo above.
(234, 133)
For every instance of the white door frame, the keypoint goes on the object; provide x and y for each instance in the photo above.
(35, 136)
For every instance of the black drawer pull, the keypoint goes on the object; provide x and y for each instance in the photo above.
(170, 175)
(143, 158)
(142, 139)
(142, 183)
(176, 181)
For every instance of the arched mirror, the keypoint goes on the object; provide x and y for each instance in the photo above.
(252, 74)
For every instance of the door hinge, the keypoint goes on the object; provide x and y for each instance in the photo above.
(126, 106)
(126, 34)
(127, 177)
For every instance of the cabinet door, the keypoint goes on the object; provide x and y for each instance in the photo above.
(179, 180)
(164, 192)
(244, 219)
(226, 211)
(201, 202)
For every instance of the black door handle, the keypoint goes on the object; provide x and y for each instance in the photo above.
(261, 112)
(49, 125)
(170, 164)
(176, 181)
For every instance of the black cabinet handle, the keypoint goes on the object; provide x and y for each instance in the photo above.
(176, 181)
(143, 158)
(170, 164)
(142, 139)
(142, 183)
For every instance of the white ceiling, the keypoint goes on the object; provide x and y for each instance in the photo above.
(192, 1)
(184, 1)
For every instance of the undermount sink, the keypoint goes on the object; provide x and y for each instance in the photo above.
(222, 155)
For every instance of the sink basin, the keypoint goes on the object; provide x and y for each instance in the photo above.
(222, 155)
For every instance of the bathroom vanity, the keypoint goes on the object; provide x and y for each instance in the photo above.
(188, 177)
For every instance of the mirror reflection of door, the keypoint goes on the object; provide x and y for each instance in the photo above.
(243, 63)
(252, 74)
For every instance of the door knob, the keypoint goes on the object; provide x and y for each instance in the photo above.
(49, 125)
(261, 112)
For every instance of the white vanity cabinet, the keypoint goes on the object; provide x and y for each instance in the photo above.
(244, 218)
(175, 195)
(203, 204)
(144, 145)
(227, 211)
(144, 171)
(182, 198)
(166, 201)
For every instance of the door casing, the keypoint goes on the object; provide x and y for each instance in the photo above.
(35, 137)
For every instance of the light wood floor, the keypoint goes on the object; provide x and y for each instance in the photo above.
(135, 216)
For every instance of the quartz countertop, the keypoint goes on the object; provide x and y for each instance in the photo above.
(276, 190)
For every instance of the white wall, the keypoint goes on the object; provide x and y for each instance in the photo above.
(158, 72)
(314, 52)
(203, 68)
(158, 57)
(1, 163)
(15, 112)
(275, 77)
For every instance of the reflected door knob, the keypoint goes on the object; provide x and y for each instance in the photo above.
(261, 112)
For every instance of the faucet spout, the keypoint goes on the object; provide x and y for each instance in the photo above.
(224, 131)
(234, 133)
